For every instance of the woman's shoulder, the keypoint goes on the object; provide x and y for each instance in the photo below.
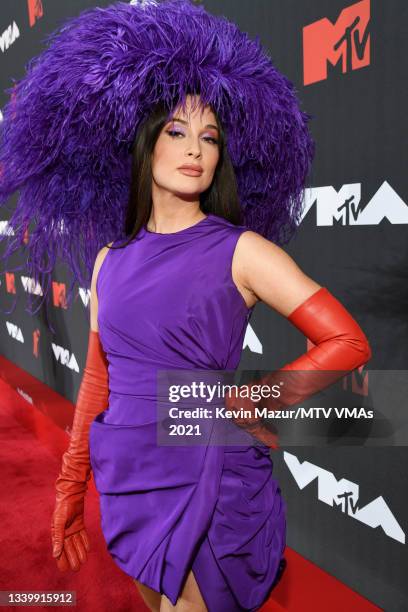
(99, 259)
(102, 253)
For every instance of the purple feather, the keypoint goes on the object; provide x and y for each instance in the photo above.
(71, 120)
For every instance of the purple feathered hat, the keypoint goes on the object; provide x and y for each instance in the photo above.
(68, 128)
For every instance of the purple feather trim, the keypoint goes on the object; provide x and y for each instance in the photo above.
(70, 121)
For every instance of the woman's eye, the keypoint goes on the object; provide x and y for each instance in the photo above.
(214, 141)
(174, 133)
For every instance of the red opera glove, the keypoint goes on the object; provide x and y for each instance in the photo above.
(69, 538)
(341, 346)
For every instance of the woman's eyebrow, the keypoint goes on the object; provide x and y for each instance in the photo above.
(209, 125)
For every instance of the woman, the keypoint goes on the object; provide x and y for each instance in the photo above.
(189, 554)
(197, 527)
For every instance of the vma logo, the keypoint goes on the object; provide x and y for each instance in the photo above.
(344, 494)
(347, 42)
(85, 295)
(9, 36)
(344, 207)
(252, 341)
(63, 356)
(357, 381)
(14, 331)
(30, 286)
(6, 229)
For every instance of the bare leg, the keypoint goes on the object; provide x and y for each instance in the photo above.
(151, 598)
(190, 599)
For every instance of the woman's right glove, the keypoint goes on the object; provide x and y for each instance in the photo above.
(70, 541)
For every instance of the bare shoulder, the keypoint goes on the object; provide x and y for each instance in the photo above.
(99, 260)
(251, 242)
(266, 271)
(102, 253)
(94, 297)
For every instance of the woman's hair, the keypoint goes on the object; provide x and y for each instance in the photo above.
(220, 198)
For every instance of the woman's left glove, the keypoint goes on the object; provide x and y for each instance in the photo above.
(341, 346)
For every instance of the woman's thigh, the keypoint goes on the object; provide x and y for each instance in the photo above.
(151, 598)
(190, 599)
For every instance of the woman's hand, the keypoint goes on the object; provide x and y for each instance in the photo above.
(252, 423)
(69, 537)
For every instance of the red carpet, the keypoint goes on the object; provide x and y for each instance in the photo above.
(31, 447)
(28, 474)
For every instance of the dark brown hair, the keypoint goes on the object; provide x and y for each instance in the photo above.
(221, 198)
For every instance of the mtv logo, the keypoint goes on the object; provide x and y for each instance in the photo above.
(346, 43)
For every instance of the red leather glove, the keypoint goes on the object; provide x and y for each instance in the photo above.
(341, 346)
(69, 538)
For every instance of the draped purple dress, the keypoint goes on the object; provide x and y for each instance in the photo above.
(168, 301)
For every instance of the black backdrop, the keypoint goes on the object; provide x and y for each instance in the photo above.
(352, 239)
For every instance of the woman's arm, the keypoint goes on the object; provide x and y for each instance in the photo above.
(267, 271)
(69, 537)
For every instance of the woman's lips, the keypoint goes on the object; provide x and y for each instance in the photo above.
(190, 172)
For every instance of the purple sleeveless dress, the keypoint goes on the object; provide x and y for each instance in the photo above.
(168, 301)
